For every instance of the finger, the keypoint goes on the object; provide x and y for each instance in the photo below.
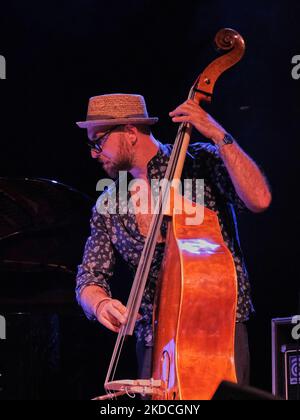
(115, 313)
(181, 110)
(109, 325)
(192, 103)
(186, 107)
(179, 114)
(115, 322)
(118, 305)
(184, 118)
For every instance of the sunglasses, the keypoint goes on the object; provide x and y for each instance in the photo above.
(98, 144)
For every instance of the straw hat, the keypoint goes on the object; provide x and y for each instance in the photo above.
(116, 109)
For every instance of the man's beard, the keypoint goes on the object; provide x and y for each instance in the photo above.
(123, 162)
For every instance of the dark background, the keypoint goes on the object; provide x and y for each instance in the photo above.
(60, 53)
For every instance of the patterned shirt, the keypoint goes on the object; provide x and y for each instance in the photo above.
(118, 233)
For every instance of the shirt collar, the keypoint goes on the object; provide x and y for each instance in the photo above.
(157, 166)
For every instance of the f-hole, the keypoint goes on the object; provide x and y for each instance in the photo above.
(166, 363)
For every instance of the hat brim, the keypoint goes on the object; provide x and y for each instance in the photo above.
(119, 121)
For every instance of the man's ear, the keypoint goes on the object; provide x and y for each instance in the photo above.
(132, 133)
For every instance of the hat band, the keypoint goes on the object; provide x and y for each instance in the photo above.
(110, 117)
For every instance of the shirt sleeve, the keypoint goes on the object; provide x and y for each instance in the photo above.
(98, 259)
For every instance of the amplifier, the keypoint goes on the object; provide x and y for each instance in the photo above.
(286, 358)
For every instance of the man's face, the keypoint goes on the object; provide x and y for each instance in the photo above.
(116, 152)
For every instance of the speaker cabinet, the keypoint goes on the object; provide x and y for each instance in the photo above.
(286, 358)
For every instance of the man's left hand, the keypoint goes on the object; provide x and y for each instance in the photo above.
(192, 113)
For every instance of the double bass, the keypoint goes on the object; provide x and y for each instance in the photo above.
(195, 305)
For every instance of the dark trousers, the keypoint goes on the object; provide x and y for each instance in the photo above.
(242, 357)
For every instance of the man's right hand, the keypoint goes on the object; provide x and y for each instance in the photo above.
(109, 312)
(112, 314)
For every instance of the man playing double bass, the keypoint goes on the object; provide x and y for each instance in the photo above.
(118, 129)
